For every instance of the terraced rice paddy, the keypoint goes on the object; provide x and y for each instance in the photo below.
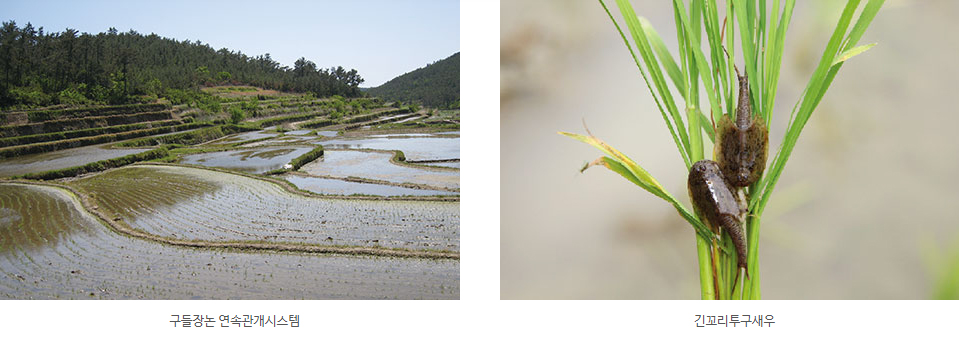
(282, 140)
(52, 249)
(197, 204)
(377, 166)
(256, 160)
(451, 164)
(243, 137)
(298, 132)
(342, 187)
(39, 162)
(379, 229)
(415, 147)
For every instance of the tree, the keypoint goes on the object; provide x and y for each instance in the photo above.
(223, 77)
(119, 67)
(201, 75)
(436, 85)
(236, 114)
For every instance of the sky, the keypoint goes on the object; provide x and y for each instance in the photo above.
(380, 39)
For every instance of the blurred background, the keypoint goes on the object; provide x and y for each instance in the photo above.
(865, 208)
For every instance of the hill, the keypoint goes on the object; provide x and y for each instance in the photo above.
(435, 85)
(74, 68)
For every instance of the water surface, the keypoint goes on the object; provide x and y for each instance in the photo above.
(342, 187)
(61, 159)
(255, 160)
(377, 166)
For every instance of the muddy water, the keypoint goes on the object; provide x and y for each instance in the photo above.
(377, 166)
(190, 203)
(55, 160)
(415, 148)
(43, 225)
(257, 160)
(91, 262)
(342, 187)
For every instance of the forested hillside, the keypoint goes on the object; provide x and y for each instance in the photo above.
(69, 67)
(436, 85)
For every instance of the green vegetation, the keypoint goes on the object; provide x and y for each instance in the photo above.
(84, 141)
(45, 115)
(306, 158)
(236, 114)
(54, 136)
(436, 85)
(189, 138)
(227, 89)
(82, 123)
(120, 68)
(372, 116)
(762, 31)
(289, 118)
(98, 166)
(320, 123)
(358, 119)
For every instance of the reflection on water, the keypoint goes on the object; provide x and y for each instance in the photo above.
(454, 164)
(342, 187)
(34, 217)
(284, 140)
(175, 203)
(56, 160)
(176, 188)
(242, 137)
(258, 160)
(414, 147)
(377, 166)
(298, 132)
(93, 262)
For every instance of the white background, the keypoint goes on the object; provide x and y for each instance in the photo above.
(479, 312)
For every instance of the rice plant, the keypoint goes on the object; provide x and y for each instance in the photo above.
(759, 27)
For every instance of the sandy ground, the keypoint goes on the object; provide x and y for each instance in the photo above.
(863, 210)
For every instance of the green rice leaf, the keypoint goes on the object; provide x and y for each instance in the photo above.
(680, 143)
(618, 162)
(701, 63)
(668, 62)
(851, 52)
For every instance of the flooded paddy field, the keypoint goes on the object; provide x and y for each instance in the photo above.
(54, 160)
(240, 228)
(415, 146)
(198, 204)
(298, 132)
(53, 249)
(342, 187)
(376, 165)
(254, 160)
(282, 140)
(451, 164)
(243, 137)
